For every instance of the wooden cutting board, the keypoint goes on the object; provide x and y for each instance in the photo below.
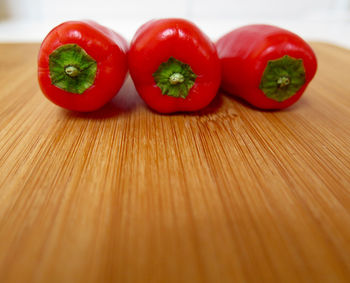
(229, 194)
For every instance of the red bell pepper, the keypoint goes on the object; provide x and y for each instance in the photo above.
(82, 65)
(267, 66)
(174, 66)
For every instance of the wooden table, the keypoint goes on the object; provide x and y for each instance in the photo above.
(230, 194)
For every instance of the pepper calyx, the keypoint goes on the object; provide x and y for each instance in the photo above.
(174, 78)
(72, 69)
(282, 78)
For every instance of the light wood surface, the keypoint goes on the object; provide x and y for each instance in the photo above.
(230, 194)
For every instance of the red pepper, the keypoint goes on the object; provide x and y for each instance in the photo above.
(267, 66)
(82, 65)
(174, 66)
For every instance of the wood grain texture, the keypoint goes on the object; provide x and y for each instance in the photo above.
(229, 194)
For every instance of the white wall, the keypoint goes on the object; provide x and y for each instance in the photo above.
(28, 20)
(126, 9)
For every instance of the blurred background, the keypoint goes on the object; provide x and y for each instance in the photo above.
(318, 20)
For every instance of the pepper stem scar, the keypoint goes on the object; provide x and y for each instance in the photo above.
(176, 78)
(283, 81)
(71, 71)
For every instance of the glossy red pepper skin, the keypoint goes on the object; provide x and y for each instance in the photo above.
(158, 40)
(105, 46)
(244, 54)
